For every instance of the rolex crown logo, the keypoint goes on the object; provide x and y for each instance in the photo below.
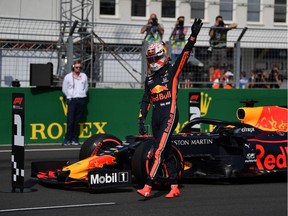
(204, 103)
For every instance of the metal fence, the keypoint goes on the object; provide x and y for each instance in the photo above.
(114, 54)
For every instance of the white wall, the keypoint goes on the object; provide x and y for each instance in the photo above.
(34, 9)
(50, 10)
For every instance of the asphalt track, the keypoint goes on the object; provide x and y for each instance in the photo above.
(258, 197)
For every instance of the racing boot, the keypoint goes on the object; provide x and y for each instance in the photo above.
(145, 192)
(174, 192)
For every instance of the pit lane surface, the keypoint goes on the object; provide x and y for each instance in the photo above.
(265, 198)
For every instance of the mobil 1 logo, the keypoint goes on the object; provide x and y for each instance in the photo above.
(109, 178)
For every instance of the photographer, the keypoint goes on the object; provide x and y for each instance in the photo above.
(154, 31)
(177, 38)
(259, 79)
(275, 79)
(218, 41)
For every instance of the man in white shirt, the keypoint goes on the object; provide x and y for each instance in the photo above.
(75, 88)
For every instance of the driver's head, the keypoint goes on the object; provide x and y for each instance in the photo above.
(157, 56)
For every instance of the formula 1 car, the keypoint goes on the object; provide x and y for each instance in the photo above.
(254, 146)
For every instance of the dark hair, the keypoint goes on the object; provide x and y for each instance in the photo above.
(218, 17)
(156, 18)
(276, 66)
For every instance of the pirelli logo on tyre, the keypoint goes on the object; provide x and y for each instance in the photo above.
(109, 178)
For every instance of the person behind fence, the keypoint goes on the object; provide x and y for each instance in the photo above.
(258, 79)
(215, 77)
(161, 90)
(154, 31)
(218, 41)
(75, 88)
(177, 38)
(274, 78)
(228, 79)
(243, 82)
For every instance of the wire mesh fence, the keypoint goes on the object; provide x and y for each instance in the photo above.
(114, 54)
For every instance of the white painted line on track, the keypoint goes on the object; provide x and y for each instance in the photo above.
(56, 207)
(41, 150)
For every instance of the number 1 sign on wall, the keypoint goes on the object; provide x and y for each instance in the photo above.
(17, 156)
(18, 141)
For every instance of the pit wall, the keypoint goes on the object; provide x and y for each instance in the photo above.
(115, 111)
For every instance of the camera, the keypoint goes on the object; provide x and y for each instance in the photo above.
(154, 21)
(221, 23)
(181, 23)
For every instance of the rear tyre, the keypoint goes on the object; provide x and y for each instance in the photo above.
(96, 144)
(142, 163)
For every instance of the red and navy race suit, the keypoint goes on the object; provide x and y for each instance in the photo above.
(161, 91)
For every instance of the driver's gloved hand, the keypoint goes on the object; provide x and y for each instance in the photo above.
(142, 129)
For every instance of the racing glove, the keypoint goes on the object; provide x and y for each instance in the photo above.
(142, 129)
(195, 29)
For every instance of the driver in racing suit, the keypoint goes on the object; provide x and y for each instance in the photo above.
(161, 85)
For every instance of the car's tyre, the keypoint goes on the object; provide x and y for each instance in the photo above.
(95, 143)
(142, 163)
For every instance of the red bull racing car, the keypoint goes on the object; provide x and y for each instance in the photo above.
(254, 146)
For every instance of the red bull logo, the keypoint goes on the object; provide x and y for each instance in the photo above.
(158, 89)
(273, 118)
(98, 162)
(268, 118)
(270, 161)
(160, 97)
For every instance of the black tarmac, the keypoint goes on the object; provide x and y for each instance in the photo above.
(198, 198)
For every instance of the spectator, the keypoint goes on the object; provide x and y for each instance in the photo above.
(154, 31)
(251, 81)
(211, 73)
(228, 80)
(187, 81)
(215, 77)
(74, 87)
(218, 41)
(243, 82)
(177, 38)
(259, 80)
(275, 79)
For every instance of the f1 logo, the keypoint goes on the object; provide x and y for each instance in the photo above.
(17, 100)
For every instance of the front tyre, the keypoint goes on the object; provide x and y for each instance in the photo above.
(98, 143)
(142, 163)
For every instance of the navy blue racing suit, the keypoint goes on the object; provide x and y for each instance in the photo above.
(161, 91)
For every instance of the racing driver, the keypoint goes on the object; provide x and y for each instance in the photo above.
(161, 85)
